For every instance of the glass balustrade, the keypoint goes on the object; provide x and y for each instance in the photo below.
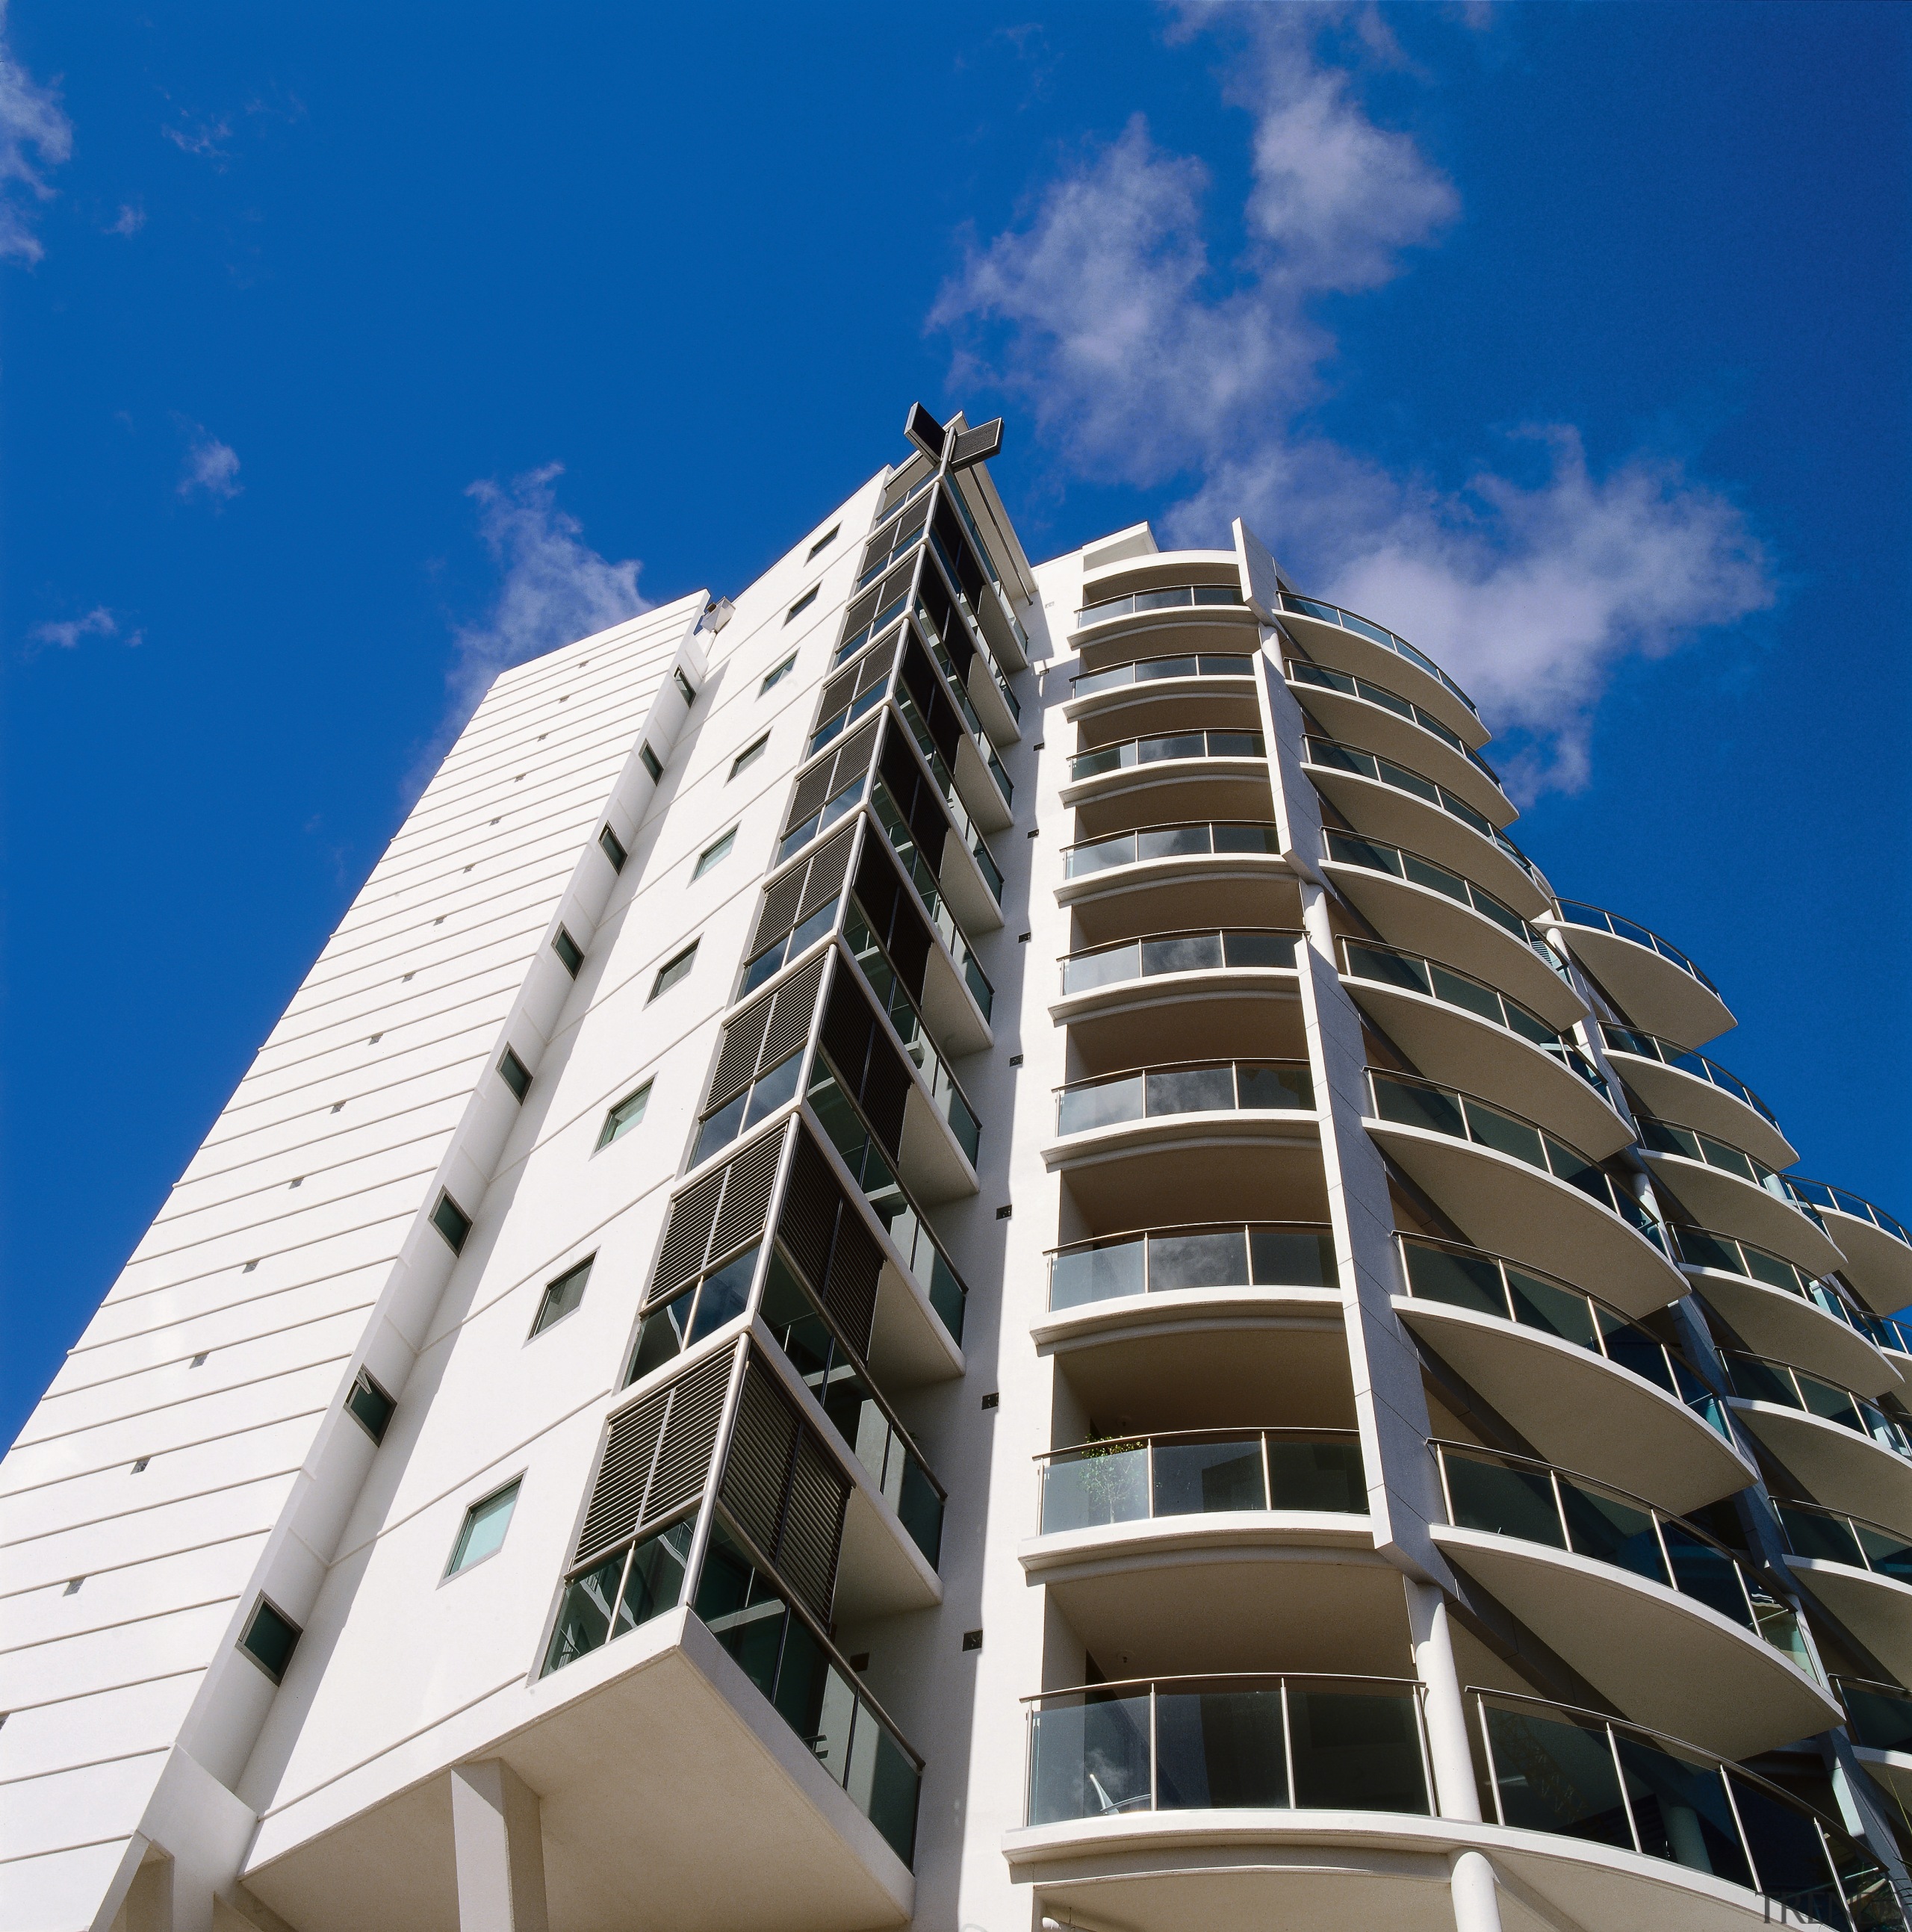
(922, 875)
(1164, 1261)
(1134, 751)
(1304, 670)
(1411, 1102)
(1663, 1137)
(966, 827)
(1489, 1490)
(1176, 597)
(1201, 1472)
(1885, 1331)
(1470, 1278)
(1700, 1247)
(614, 1593)
(902, 537)
(1230, 1743)
(1373, 855)
(1185, 1087)
(1832, 1536)
(1817, 1193)
(1325, 754)
(1389, 966)
(1879, 1716)
(1237, 949)
(1598, 919)
(1577, 1774)
(1333, 613)
(1647, 1046)
(1146, 670)
(1168, 842)
(1758, 1379)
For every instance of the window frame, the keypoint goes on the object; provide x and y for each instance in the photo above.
(613, 848)
(540, 1321)
(446, 1199)
(651, 762)
(263, 1603)
(514, 1487)
(685, 689)
(561, 941)
(678, 966)
(804, 602)
(608, 1136)
(714, 854)
(822, 543)
(748, 756)
(772, 679)
(520, 1086)
(366, 1381)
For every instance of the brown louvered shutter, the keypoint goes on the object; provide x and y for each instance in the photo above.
(859, 613)
(736, 1062)
(853, 756)
(717, 1215)
(856, 1262)
(886, 1093)
(757, 1465)
(617, 1497)
(750, 1176)
(812, 1538)
(827, 873)
(790, 1020)
(690, 1437)
(875, 669)
(813, 787)
(839, 691)
(687, 1236)
(782, 898)
(806, 1225)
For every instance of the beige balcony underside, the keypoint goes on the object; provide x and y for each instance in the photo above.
(1201, 889)
(1347, 650)
(1174, 632)
(1181, 1167)
(1581, 1412)
(1422, 920)
(1877, 1610)
(635, 1750)
(1688, 1101)
(1351, 1871)
(1169, 791)
(1722, 1201)
(1165, 704)
(1217, 1013)
(1447, 1043)
(1893, 1769)
(1663, 1659)
(1509, 1208)
(1788, 1328)
(1657, 996)
(1879, 1267)
(1373, 727)
(1839, 1467)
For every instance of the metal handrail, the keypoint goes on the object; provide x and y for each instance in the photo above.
(1221, 935)
(1202, 663)
(1683, 1059)
(1598, 918)
(1786, 1508)
(1842, 1202)
(1145, 1075)
(1170, 597)
(1256, 836)
(1872, 1421)
(1325, 677)
(1376, 634)
(1324, 1271)
(1128, 753)
(1796, 1282)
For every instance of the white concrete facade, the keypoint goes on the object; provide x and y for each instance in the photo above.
(1435, 1454)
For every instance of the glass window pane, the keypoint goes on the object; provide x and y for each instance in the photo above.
(1554, 1775)
(1105, 1105)
(1457, 990)
(1356, 1751)
(1275, 1088)
(1216, 1259)
(1680, 1811)
(1202, 1477)
(1095, 1274)
(562, 1295)
(1539, 1304)
(1219, 1750)
(1436, 878)
(1463, 1281)
(584, 1618)
(1705, 1572)
(715, 854)
(1388, 969)
(1317, 1476)
(773, 1088)
(1829, 1537)
(723, 1295)
(721, 1128)
(1789, 1854)
(1501, 1131)
(1265, 949)
(1609, 1531)
(1106, 968)
(1508, 1502)
(1412, 1106)
(1172, 842)
(483, 1531)
(1095, 1487)
(1286, 1257)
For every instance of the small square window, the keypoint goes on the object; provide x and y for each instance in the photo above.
(269, 1639)
(715, 854)
(823, 542)
(198, 1360)
(140, 1467)
(686, 690)
(451, 1221)
(562, 1295)
(626, 1115)
(614, 849)
(483, 1532)
(748, 756)
(513, 1072)
(651, 763)
(673, 970)
(370, 1406)
(778, 676)
(568, 950)
(803, 603)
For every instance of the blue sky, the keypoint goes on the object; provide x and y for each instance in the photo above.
(1571, 341)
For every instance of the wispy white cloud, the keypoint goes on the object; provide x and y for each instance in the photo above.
(30, 118)
(1143, 361)
(127, 222)
(66, 635)
(211, 467)
(204, 139)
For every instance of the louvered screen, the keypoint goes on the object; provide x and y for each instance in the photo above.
(812, 1538)
(822, 780)
(690, 1438)
(718, 1214)
(827, 871)
(757, 1465)
(623, 1474)
(687, 1235)
(736, 1062)
(789, 1021)
(849, 684)
(790, 898)
(824, 1234)
(752, 1174)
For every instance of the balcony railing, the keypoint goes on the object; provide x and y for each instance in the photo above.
(1168, 842)
(1238, 948)
(1327, 753)
(1176, 597)
(966, 826)
(1757, 1378)
(1834, 1536)
(1375, 856)
(1244, 1742)
(1365, 959)
(1598, 919)
(1133, 751)
(1305, 670)
(1647, 1046)
(924, 876)
(1663, 1137)
(1165, 1260)
(1145, 670)
(1333, 613)
(1817, 1193)
(1185, 1087)
(1700, 1247)
(1879, 1716)
(1411, 1102)
(1470, 1278)
(1577, 1774)
(1201, 1472)
(1516, 1496)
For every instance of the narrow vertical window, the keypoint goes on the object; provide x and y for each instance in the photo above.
(482, 1533)
(626, 1115)
(672, 970)
(568, 950)
(651, 762)
(715, 854)
(451, 1221)
(369, 1405)
(614, 849)
(685, 689)
(562, 1295)
(513, 1072)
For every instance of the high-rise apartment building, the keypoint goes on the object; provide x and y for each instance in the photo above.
(965, 1246)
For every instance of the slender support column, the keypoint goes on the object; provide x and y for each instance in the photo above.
(1475, 1892)
(1454, 1789)
(499, 1845)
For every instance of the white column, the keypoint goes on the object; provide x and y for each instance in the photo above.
(1475, 1893)
(499, 1846)
(1455, 1789)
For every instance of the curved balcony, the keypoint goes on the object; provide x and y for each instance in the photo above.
(1180, 1322)
(1877, 1249)
(1861, 1571)
(1696, 1092)
(1585, 1385)
(1378, 796)
(1454, 1027)
(1655, 1613)
(1333, 636)
(1173, 607)
(1225, 771)
(1661, 991)
(1879, 1721)
(1517, 1191)
(1181, 995)
(1412, 901)
(1374, 718)
(1303, 1802)
(1174, 875)
(1168, 691)
(1726, 1187)
(1780, 1310)
(1847, 1451)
